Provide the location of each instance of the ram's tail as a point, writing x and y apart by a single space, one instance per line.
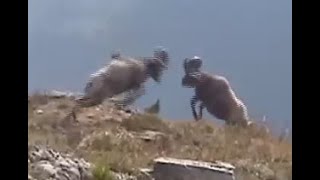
153 109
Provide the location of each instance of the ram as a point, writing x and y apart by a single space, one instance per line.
216 95
122 76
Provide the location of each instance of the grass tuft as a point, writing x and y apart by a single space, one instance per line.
102 172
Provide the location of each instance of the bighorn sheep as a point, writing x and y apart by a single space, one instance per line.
122 75
216 95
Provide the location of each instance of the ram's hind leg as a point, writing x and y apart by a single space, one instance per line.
70 119
72 115
193 103
201 107
82 102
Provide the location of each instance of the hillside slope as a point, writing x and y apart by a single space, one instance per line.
123 142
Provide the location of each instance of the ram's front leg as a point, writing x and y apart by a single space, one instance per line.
71 117
127 98
193 103
201 107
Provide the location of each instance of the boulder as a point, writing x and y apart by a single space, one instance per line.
182 169
45 163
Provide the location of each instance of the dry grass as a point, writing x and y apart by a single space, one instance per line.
145 122
256 154
38 99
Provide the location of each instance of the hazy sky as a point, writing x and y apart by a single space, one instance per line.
248 41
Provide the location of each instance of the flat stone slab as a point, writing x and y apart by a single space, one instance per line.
184 169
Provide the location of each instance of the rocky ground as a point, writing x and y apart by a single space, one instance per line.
111 143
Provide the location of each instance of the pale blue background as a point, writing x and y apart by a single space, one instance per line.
248 41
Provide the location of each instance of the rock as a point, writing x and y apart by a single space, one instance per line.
149 135
117 119
61 94
30 177
127 110
45 163
123 176
43 170
243 163
108 117
90 116
145 174
39 111
172 169
126 115
263 171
